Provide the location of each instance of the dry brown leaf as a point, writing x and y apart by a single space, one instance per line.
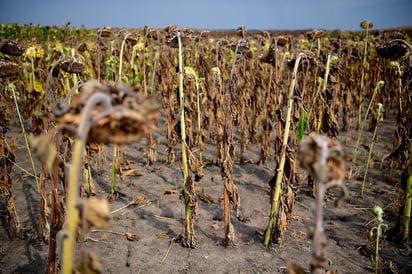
44 149
138 200
111 198
131 237
131 172
294 268
97 212
171 191
206 198
89 265
161 234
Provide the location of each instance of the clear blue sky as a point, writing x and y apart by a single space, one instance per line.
211 14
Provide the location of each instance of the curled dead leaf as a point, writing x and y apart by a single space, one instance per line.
97 212
206 198
45 150
138 200
131 172
294 268
131 237
196 167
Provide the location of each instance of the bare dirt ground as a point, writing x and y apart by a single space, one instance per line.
157 223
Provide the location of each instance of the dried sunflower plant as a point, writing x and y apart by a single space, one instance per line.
322 158
103 114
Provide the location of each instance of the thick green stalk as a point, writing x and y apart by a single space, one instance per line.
72 217
185 167
278 185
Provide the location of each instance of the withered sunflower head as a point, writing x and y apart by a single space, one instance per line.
131 114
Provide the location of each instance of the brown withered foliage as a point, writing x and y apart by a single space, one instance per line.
287 199
188 237
6 163
96 212
44 150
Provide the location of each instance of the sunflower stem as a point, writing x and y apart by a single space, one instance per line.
72 217
12 88
278 185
